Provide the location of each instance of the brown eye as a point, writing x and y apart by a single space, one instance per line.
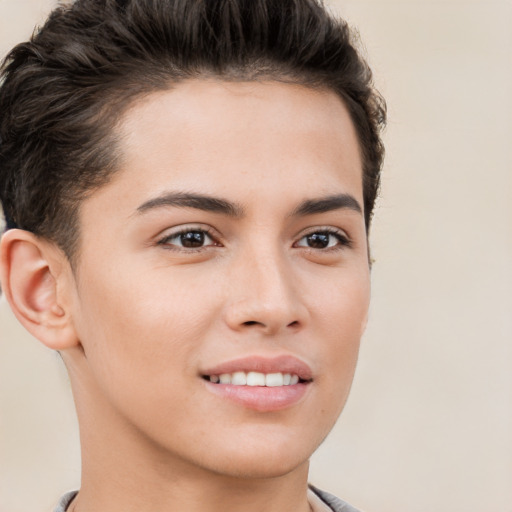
323 240
188 239
192 239
318 240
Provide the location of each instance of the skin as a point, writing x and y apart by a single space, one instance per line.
141 317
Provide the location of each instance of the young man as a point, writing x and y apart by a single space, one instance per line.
188 187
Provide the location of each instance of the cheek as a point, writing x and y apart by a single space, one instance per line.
341 316
341 305
136 325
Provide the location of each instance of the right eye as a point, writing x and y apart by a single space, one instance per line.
188 239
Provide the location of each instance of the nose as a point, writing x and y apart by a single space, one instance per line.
264 296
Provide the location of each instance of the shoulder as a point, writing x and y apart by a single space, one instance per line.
65 501
335 503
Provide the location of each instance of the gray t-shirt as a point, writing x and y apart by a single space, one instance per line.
333 502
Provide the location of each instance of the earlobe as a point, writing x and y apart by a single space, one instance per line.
30 271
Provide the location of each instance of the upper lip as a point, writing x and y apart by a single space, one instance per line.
280 364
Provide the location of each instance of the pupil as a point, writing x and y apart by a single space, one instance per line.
318 240
192 239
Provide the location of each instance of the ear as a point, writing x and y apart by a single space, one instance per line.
35 276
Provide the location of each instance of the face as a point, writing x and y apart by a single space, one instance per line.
222 285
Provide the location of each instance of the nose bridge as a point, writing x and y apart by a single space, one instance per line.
272 279
264 294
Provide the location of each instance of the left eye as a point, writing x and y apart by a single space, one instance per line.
322 240
189 239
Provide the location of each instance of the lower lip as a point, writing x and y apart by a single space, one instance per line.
261 398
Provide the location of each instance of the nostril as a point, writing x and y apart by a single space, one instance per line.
254 322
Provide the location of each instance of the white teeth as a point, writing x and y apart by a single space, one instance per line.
225 378
255 379
274 379
239 379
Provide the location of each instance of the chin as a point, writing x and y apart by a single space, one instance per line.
268 459
261 468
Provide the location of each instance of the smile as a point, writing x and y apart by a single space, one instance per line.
255 379
263 384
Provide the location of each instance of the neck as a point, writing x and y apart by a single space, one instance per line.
151 492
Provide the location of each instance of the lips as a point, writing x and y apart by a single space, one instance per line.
259 383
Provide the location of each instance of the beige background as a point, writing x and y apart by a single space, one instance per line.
429 422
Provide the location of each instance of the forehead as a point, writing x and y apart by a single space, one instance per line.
221 125
198 103
242 141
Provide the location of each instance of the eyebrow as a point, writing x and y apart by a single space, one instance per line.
197 201
225 207
327 204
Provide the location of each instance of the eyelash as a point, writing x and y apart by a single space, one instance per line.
205 231
343 240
